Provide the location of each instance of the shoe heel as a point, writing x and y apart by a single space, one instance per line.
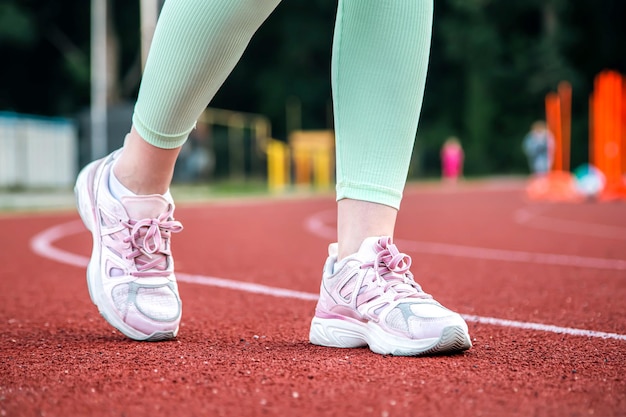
83 197
335 333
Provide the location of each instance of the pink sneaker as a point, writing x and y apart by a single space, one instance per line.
371 299
131 272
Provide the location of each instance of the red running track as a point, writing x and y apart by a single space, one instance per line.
543 286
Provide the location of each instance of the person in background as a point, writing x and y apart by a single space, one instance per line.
538 145
452 157
195 160
368 295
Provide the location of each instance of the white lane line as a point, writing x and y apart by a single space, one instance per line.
542 327
318 224
245 287
512 256
284 293
43 245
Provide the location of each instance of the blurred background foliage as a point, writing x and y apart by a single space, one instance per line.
492 63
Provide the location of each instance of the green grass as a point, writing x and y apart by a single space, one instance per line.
218 189
235 189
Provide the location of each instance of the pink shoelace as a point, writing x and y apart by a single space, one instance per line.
149 242
392 268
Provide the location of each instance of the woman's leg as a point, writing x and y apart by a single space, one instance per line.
368 296
380 59
196 45
123 198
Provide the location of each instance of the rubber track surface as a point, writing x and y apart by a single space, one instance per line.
482 250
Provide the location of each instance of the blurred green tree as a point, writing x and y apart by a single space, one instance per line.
492 63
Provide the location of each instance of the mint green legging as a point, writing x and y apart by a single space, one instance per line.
379 61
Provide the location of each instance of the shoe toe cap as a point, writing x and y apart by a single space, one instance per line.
424 320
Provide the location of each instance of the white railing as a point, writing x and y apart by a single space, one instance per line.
37 151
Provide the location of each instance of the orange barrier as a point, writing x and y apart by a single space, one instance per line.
607 141
565 101
559 121
559 184
555 186
608 132
553 120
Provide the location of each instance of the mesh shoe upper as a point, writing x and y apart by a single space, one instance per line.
137 257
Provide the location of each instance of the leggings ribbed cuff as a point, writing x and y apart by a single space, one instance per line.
158 139
369 192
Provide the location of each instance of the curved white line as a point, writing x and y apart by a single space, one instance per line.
512 256
318 224
43 245
532 218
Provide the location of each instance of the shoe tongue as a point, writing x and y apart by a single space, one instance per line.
370 247
145 206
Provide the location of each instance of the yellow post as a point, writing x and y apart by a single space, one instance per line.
277 165
312 157
321 168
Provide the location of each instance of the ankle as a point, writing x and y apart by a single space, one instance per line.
135 181
358 220
143 168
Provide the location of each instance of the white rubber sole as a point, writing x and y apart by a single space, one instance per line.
344 334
